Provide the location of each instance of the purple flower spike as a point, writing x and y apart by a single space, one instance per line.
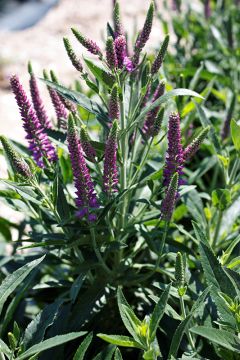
151 115
174 157
90 45
37 101
72 56
39 144
59 107
207 9
17 162
67 103
86 197
144 34
193 147
86 144
120 49
110 175
169 201
114 103
118 28
111 54
160 56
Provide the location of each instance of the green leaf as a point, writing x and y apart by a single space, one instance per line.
59 199
221 337
100 73
130 320
80 99
12 281
235 132
36 329
120 340
79 355
215 276
163 99
118 355
183 326
158 313
4 348
221 198
106 354
27 192
49 343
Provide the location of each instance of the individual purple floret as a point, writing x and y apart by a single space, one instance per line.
110 175
144 34
114 103
169 201
86 144
90 45
59 107
118 28
39 144
174 157
151 115
86 199
121 50
128 64
111 54
193 147
37 100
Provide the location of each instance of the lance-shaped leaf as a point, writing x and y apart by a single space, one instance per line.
12 281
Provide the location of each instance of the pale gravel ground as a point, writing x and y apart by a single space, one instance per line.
42 44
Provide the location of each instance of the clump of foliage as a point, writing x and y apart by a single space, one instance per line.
124 196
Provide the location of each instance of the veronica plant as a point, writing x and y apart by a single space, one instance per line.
98 185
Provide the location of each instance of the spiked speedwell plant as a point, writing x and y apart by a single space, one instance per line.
98 186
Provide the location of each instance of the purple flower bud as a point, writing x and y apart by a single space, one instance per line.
39 144
86 144
86 199
207 9
157 123
17 162
114 103
120 49
226 125
90 45
192 148
72 56
144 34
111 54
151 115
59 107
169 201
110 175
67 103
118 28
37 101
160 57
174 157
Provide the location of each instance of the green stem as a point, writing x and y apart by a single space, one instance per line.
124 152
234 171
217 229
189 336
97 252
